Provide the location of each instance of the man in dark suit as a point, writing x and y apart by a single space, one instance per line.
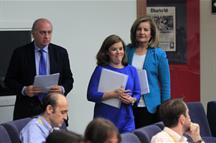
25 65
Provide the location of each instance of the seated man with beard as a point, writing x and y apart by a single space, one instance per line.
175 116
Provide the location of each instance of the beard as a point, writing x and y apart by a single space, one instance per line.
186 127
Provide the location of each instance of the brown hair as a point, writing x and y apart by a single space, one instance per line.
171 110
99 130
64 136
154 31
102 57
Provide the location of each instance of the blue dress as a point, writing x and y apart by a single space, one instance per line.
122 117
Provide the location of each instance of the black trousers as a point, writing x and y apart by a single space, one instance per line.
143 118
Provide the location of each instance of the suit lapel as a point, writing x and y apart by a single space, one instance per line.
51 59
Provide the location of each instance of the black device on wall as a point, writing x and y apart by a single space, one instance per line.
213 5
10 39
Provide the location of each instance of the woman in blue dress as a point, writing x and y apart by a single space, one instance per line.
112 56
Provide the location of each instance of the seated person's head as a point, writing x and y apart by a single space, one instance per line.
101 130
55 109
64 136
174 112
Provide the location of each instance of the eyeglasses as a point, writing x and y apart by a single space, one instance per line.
43 33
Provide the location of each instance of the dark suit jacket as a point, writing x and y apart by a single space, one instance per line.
22 70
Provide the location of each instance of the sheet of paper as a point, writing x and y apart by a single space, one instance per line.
109 81
143 81
46 81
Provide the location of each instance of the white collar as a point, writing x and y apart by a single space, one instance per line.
174 135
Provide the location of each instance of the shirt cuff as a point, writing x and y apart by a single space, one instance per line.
23 91
62 89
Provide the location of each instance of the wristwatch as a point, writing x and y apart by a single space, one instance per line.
133 100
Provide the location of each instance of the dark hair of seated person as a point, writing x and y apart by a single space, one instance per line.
101 130
64 136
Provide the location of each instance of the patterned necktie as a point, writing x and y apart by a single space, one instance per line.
42 63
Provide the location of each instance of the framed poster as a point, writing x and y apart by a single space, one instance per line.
164 18
170 17
185 59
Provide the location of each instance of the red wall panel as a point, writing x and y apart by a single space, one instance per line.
185 78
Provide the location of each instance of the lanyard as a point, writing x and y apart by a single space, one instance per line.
42 123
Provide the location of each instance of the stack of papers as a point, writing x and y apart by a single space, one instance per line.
144 85
109 81
45 82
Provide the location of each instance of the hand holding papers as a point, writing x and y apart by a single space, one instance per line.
109 81
143 81
45 82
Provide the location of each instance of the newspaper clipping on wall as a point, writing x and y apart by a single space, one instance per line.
165 19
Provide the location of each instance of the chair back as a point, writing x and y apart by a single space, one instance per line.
14 127
129 138
209 139
197 115
4 137
146 133
211 109
160 125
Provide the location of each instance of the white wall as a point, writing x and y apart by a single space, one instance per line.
81 27
6 108
208 52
